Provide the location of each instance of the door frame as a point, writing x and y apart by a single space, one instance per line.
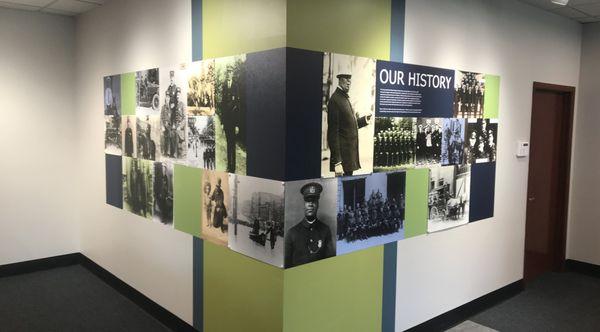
564 185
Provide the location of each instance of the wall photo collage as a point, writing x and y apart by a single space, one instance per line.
370 128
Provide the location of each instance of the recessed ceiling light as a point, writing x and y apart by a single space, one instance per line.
560 2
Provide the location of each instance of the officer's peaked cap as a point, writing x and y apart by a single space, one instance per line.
311 191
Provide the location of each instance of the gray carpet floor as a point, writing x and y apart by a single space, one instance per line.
68 299
554 302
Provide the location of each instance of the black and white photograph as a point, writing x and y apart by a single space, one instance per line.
138 187
163 193
112 95
310 221
370 210
449 195
148 137
128 135
453 141
172 116
230 114
201 142
481 139
428 144
394 143
216 206
349 114
469 94
201 88
256 222
112 134
147 94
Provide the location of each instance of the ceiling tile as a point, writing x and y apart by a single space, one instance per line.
569 12
581 2
588 19
17 6
590 9
545 4
72 6
59 12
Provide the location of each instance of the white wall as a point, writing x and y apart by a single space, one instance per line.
584 226
124 36
522 44
37 136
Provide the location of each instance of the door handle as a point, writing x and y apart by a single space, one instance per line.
531 199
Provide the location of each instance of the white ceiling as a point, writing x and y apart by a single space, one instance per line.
62 7
584 11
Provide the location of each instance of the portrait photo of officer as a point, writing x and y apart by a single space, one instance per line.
310 221
349 102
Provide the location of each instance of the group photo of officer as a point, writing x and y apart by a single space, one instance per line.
172 118
453 141
394 143
138 188
481 141
428 141
468 96
146 145
163 193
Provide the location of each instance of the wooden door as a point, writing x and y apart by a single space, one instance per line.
547 189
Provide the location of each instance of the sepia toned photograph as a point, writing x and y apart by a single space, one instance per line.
230 114
348 115
138 186
216 206
128 135
201 88
469 94
148 137
449 195
428 144
112 135
370 210
310 221
453 141
394 144
146 92
172 116
257 218
201 142
112 95
163 193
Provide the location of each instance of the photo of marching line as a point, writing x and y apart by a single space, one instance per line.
453 141
449 197
428 142
147 94
112 135
112 95
482 135
370 210
216 206
394 143
348 115
163 193
310 221
201 142
138 196
201 88
256 222
172 142
469 94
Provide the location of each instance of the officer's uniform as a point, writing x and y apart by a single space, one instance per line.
308 242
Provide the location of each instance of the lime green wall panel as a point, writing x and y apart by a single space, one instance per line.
417 185
232 27
187 197
240 293
128 94
333 26
343 293
492 97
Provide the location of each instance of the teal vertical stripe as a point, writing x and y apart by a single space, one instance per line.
198 245
198 268
196 30
390 250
